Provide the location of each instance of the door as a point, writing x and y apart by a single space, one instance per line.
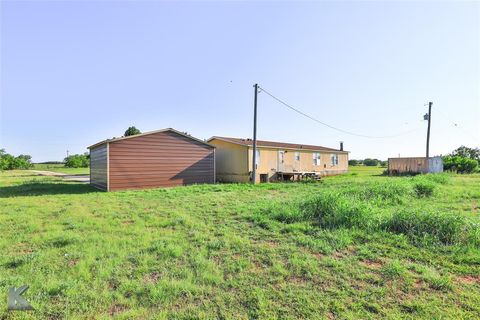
296 162
281 161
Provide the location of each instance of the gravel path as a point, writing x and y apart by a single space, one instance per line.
68 177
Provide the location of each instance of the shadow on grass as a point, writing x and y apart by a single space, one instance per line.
43 188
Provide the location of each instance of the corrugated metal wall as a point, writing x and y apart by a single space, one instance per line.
435 164
161 159
98 166
415 165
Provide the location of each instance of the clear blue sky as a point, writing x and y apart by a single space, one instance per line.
75 73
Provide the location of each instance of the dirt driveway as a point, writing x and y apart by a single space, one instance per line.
67 177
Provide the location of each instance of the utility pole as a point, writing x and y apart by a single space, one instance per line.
254 174
67 153
429 118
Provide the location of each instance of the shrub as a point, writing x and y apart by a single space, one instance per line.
77 161
459 164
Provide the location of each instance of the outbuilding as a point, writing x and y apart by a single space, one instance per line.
162 158
414 165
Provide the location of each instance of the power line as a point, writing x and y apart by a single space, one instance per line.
456 125
330 126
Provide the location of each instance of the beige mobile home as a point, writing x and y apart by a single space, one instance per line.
275 160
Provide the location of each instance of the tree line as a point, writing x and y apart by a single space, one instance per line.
9 162
368 162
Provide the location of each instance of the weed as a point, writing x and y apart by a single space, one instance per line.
424 188
393 269
433 227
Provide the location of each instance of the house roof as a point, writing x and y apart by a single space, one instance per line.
148 133
278 145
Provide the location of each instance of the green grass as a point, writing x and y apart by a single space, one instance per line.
60 168
353 246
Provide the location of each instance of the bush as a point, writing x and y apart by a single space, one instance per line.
9 162
459 164
77 161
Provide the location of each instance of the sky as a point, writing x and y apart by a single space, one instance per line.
74 73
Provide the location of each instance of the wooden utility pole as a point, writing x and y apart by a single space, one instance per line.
254 173
428 130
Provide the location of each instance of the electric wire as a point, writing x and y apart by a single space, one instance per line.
330 126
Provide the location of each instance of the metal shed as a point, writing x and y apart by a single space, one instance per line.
162 158
415 165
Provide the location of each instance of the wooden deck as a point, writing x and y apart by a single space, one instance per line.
297 175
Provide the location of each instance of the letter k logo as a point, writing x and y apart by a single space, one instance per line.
15 299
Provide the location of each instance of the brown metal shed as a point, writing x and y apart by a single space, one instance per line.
162 158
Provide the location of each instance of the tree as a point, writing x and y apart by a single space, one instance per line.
465 152
131 131
370 162
462 160
9 162
459 164
353 162
77 161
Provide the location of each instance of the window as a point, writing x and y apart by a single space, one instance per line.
297 156
334 159
281 156
316 158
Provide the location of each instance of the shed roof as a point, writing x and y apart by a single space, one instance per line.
278 145
148 133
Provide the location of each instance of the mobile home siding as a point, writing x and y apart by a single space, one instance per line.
98 166
162 159
231 162
269 163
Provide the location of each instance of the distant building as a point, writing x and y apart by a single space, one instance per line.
275 160
415 165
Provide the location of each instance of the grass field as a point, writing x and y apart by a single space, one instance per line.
60 168
355 246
